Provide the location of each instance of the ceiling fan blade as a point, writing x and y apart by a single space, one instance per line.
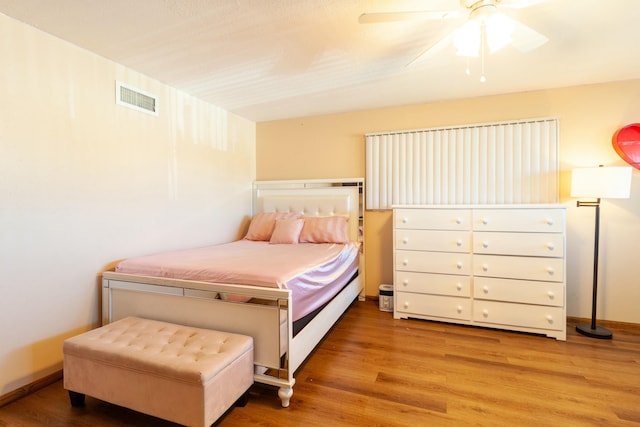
431 50
376 18
526 39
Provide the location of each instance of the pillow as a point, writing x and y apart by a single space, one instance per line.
263 223
287 230
324 229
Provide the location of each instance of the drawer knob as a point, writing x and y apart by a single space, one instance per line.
405 220
551 271
458 220
459 286
459 309
485 312
405 282
551 295
406 305
485 267
459 243
459 265
549 318
550 246
405 240
485 244
549 221
485 289
485 221
405 262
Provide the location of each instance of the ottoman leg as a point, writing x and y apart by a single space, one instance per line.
76 399
243 400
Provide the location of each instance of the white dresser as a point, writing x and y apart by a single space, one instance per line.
498 266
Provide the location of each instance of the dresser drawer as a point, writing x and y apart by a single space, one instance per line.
433 262
526 220
432 219
525 291
433 240
433 305
428 283
531 244
514 267
497 266
519 315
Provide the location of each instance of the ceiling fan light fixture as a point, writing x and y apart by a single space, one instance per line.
467 39
485 25
499 29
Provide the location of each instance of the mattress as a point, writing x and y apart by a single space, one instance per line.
314 272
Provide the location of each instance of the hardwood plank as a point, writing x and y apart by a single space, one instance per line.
377 371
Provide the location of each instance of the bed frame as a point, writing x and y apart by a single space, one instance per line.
278 354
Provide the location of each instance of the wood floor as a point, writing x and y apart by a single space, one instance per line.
373 370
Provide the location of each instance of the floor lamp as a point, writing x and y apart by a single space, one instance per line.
599 183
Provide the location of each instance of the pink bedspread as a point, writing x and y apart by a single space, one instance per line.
314 272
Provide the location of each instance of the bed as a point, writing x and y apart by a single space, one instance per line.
281 311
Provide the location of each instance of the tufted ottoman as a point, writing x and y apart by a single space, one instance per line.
186 375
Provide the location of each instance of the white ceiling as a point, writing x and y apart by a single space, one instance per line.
275 59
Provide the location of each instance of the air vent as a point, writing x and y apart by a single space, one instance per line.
136 99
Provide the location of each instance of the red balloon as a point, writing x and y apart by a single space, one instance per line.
626 142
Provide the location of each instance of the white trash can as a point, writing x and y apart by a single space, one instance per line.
386 298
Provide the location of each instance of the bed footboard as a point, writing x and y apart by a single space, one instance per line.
199 304
266 317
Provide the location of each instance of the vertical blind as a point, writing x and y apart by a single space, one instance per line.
491 163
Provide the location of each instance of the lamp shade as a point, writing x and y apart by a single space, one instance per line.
612 182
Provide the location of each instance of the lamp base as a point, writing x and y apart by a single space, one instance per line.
598 332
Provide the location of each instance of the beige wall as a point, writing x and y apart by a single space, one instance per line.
84 182
333 146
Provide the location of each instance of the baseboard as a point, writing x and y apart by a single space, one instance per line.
606 323
611 324
30 388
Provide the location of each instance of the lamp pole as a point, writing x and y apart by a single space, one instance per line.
607 183
593 330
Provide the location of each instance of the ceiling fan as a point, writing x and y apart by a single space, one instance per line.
486 27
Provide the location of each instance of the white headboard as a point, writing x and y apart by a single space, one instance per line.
312 198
